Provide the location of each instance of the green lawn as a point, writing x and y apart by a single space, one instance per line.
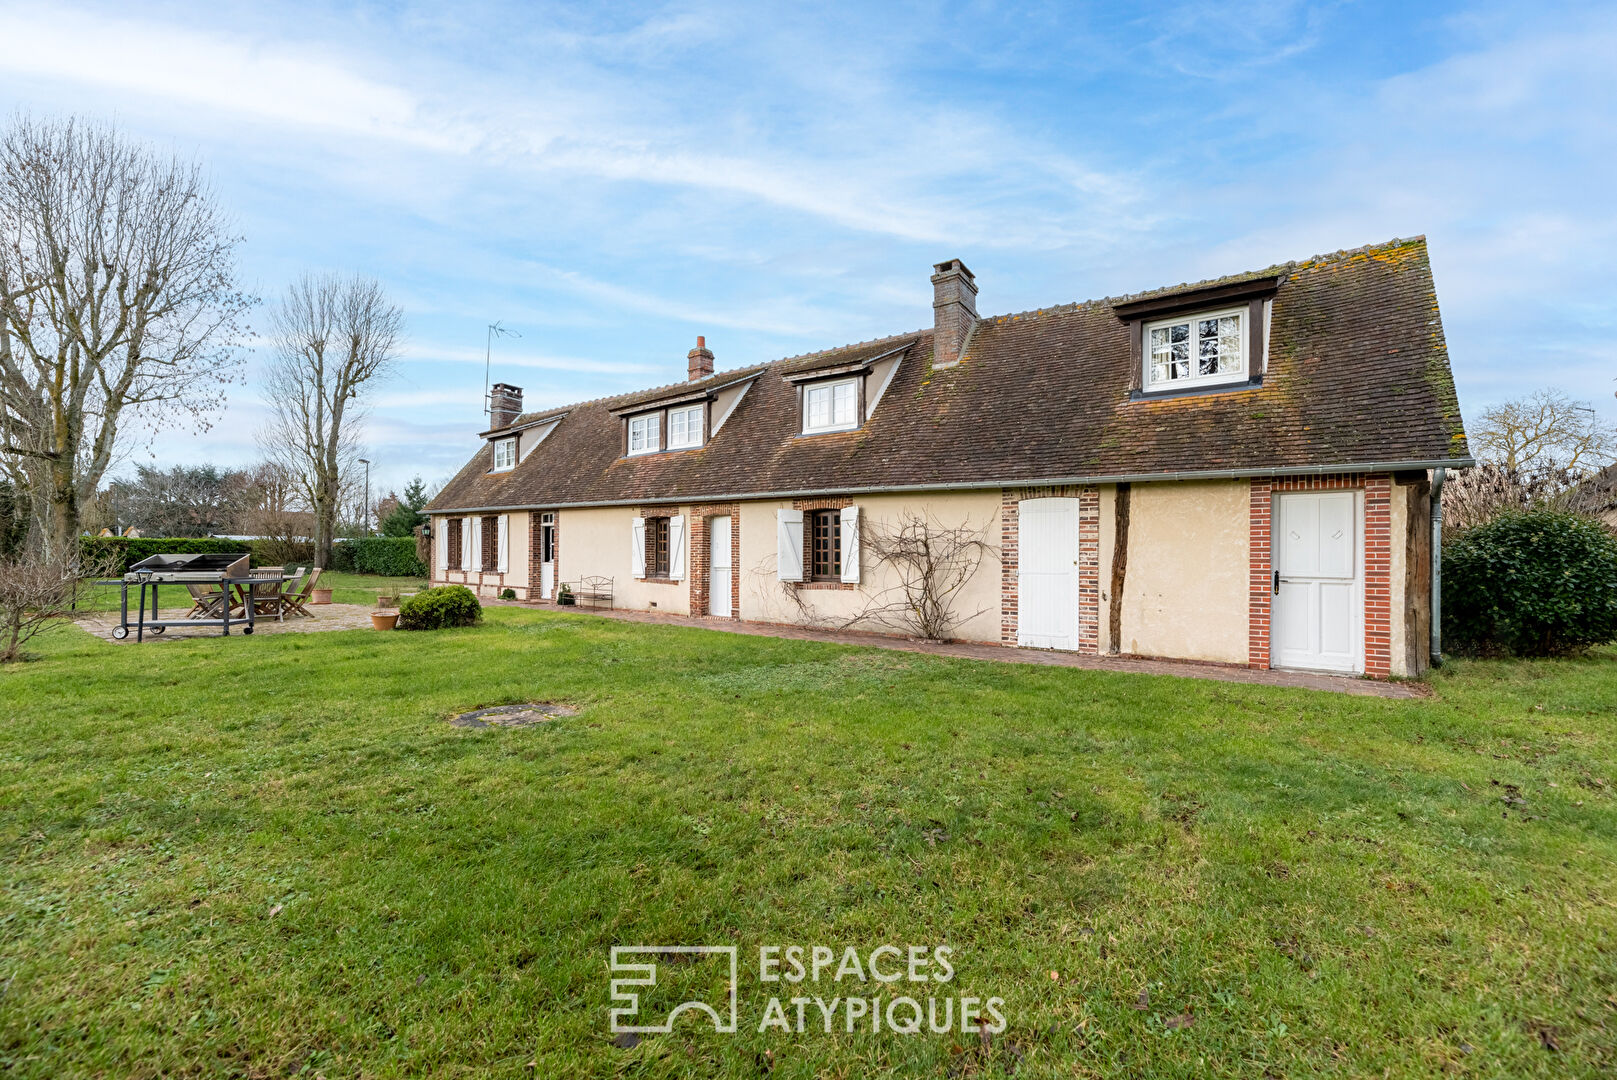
272 856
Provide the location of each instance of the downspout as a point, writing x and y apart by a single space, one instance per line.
1436 514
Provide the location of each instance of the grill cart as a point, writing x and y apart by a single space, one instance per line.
200 575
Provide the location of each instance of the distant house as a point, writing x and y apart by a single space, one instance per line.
1234 471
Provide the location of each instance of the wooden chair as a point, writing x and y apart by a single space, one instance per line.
296 602
204 602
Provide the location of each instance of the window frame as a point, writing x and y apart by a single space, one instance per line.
653 443
700 417
1242 373
500 444
658 561
857 385
488 533
830 569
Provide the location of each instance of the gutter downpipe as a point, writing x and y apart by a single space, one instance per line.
1436 514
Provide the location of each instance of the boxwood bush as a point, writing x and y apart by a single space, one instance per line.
118 553
390 556
435 609
1535 583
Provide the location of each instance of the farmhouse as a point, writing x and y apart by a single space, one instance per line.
1236 471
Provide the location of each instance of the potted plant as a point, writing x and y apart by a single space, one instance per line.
320 596
384 620
388 597
565 597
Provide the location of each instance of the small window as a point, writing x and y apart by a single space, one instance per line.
547 538
505 454
1197 350
825 545
657 547
831 406
685 427
645 434
454 544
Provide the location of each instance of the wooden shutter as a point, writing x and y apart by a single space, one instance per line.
850 545
504 543
637 546
441 543
789 545
475 526
467 562
676 547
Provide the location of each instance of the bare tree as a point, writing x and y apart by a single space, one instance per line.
333 336
1545 429
118 292
930 563
35 592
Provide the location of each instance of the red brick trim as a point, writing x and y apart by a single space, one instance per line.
1088 498
536 549
809 505
700 556
1377 545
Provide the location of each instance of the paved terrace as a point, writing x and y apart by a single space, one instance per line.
1184 669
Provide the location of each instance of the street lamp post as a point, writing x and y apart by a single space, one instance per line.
367 463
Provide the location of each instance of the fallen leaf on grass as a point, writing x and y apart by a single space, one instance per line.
276 910
1144 1000
1547 1039
1183 1020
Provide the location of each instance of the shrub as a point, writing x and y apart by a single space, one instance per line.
390 556
435 609
508 594
1539 583
278 551
117 553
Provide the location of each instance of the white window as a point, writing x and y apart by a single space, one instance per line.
1196 350
645 434
831 406
505 454
685 427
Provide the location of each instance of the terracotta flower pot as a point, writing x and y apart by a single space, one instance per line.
384 620
321 596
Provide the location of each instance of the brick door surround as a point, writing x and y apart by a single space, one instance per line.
1088 496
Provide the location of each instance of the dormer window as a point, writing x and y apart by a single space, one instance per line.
505 454
685 427
831 406
1196 350
645 434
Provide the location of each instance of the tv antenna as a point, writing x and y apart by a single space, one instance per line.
494 330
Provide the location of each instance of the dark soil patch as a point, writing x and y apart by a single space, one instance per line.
535 712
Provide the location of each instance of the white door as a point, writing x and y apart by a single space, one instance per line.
547 556
1047 574
718 581
1316 620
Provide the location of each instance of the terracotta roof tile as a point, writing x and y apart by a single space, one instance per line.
1357 373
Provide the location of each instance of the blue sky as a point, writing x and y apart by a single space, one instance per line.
613 180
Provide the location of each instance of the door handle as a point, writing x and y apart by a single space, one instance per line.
1277 582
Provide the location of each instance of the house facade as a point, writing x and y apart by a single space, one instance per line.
1237 471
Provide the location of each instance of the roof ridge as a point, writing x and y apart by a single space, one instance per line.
543 414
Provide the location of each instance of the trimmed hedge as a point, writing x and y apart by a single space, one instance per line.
437 609
1539 583
390 556
124 551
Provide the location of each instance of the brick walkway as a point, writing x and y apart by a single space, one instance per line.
1185 669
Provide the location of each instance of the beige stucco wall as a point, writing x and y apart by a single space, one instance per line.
596 543
492 584
765 598
1185 594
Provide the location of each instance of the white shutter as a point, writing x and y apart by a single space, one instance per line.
789 545
676 547
504 545
441 542
466 533
850 545
477 544
637 546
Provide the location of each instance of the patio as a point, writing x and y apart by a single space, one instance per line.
323 617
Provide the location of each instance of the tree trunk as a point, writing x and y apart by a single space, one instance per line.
62 523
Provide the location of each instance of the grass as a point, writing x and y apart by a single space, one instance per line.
273 857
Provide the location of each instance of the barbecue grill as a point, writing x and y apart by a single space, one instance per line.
221 571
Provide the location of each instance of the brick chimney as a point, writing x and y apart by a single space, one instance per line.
504 405
954 311
701 360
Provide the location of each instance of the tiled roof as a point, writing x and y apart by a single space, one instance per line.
1357 375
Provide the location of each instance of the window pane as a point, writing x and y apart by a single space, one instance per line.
819 407
1170 352
844 393
1229 344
